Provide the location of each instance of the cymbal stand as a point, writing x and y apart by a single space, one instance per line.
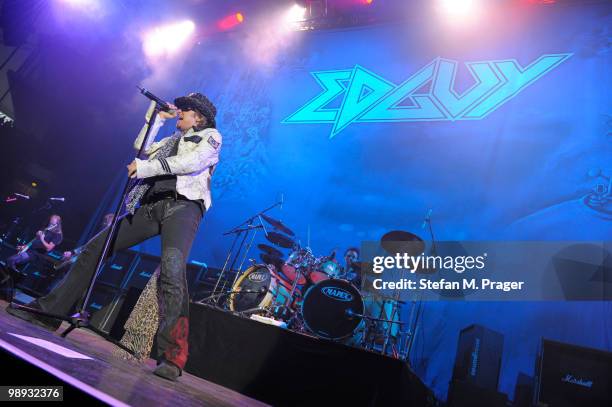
248 248
216 296
418 304
238 230
394 310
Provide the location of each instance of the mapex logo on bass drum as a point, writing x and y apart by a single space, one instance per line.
337 294
258 276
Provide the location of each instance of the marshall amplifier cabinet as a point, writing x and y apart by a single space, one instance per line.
128 302
103 306
146 264
523 390
205 282
569 375
140 274
478 359
117 268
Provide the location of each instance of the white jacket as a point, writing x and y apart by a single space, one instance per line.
193 164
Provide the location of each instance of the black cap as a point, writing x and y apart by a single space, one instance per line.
199 103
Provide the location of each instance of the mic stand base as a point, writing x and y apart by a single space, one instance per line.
78 320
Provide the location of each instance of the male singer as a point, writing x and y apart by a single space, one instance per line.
170 200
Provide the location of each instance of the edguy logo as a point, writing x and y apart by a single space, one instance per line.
337 294
427 95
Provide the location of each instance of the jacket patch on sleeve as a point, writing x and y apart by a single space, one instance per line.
214 143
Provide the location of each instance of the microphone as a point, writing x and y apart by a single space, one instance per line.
165 106
427 219
21 195
62 199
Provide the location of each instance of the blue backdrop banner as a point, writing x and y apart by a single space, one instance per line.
502 133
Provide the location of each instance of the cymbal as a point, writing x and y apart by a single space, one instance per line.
269 250
280 240
400 242
268 259
277 224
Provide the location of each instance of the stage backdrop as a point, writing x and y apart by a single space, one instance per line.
503 132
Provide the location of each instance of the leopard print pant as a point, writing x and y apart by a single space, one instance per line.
141 326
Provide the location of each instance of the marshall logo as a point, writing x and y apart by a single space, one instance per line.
257 276
578 381
337 294
428 95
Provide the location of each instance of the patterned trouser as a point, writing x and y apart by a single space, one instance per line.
142 324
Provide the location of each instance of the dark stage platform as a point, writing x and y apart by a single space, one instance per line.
286 368
84 362
232 358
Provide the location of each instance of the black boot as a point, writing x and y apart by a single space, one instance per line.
168 371
51 324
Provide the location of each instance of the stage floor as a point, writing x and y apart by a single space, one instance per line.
85 361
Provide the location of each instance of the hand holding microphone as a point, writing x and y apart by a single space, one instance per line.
168 110
170 114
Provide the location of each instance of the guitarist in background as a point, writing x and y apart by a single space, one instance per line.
44 242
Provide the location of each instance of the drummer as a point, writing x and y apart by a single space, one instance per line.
352 269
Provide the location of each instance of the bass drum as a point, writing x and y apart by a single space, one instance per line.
265 290
327 309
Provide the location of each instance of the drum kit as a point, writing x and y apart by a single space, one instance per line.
310 293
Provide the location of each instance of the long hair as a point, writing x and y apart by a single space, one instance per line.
201 126
57 228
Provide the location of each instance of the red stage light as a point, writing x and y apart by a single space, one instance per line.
231 21
540 1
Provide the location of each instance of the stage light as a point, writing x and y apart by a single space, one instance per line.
460 11
80 3
92 8
230 21
296 14
168 39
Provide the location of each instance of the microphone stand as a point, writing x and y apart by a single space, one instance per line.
237 231
81 318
